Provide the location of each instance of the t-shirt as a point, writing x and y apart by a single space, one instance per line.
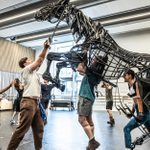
87 85
132 93
46 90
132 90
31 81
20 93
109 96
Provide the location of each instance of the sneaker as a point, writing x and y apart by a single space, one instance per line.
45 122
93 144
111 122
12 122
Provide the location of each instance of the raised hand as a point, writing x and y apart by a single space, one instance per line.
140 117
46 44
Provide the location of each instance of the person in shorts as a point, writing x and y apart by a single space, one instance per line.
109 102
85 103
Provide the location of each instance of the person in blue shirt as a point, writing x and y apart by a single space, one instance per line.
85 103
46 89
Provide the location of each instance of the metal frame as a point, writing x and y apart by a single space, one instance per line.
96 43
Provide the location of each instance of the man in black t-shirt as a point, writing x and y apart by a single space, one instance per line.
46 89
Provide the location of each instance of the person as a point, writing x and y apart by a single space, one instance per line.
16 107
85 103
46 89
109 102
142 113
6 88
29 106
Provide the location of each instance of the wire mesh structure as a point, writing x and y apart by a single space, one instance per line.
95 40
112 60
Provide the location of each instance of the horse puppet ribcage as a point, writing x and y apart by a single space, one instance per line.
96 43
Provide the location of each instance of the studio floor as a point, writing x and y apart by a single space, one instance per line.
63 132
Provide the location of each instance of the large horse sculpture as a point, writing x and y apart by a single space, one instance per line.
96 44
95 40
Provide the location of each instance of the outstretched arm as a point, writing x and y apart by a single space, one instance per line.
6 88
40 58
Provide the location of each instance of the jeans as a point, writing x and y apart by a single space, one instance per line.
132 124
29 116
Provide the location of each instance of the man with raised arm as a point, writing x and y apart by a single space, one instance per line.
29 106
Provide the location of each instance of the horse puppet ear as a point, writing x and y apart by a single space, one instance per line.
63 2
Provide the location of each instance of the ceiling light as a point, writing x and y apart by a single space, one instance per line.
18 16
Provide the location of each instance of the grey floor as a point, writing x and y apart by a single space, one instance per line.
63 132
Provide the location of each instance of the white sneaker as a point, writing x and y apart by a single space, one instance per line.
12 122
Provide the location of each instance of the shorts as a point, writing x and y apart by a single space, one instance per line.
109 105
84 107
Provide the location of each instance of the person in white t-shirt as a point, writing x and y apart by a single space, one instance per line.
29 106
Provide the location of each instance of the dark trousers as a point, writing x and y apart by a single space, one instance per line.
132 124
45 103
29 116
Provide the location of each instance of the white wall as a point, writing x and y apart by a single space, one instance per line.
134 41
138 41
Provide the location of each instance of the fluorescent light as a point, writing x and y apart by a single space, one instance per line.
18 16
41 35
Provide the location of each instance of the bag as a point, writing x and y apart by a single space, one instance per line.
43 113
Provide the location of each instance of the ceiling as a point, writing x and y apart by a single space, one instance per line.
118 16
